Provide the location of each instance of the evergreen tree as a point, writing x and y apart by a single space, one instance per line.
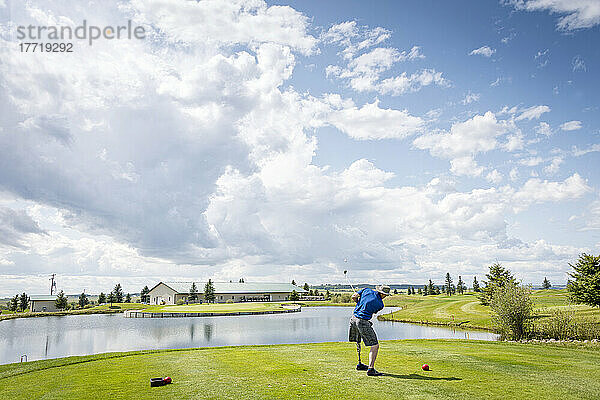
498 277
102 298
144 295
111 298
306 287
420 291
193 297
425 290
546 284
83 300
293 282
476 287
23 302
448 285
118 291
327 295
437 290
61 301
13 304
128 298
460 286
294 296
431 288
209 292
316 292
585 288
310 292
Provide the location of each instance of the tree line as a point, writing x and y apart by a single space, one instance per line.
497 274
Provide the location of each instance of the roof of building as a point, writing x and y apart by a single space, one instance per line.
42 297
235 287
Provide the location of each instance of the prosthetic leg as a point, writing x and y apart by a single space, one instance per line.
360 366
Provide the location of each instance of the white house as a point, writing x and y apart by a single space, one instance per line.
172 292
42 302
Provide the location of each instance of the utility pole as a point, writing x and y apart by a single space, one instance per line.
52 284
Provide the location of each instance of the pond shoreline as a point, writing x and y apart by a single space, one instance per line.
432 323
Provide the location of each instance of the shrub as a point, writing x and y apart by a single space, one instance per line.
563 324
341 298
229 301
180 302
512 311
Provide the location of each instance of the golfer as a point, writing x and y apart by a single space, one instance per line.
368 302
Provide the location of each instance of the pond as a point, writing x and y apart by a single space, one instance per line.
52 337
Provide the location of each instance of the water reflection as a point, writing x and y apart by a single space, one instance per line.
52 337
207 332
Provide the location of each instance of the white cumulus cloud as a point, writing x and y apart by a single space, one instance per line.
485 51
534 112
576 14
571 126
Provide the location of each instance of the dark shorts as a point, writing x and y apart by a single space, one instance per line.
361 328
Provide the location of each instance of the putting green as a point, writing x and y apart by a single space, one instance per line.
220 307
460 370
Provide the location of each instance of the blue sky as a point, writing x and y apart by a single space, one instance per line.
273 140
534 61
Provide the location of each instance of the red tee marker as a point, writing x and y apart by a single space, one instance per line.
425 367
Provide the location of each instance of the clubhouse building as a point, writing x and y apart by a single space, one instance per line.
42 303
173 292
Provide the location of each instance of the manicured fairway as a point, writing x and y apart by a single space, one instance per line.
460 370
465 310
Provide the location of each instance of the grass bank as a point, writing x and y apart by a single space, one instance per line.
101 309
192 308
460 370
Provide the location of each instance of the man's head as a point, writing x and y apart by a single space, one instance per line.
383 290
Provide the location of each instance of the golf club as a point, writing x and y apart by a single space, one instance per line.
348 281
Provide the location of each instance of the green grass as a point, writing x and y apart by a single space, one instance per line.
219 307
460 370
122 306
465 310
